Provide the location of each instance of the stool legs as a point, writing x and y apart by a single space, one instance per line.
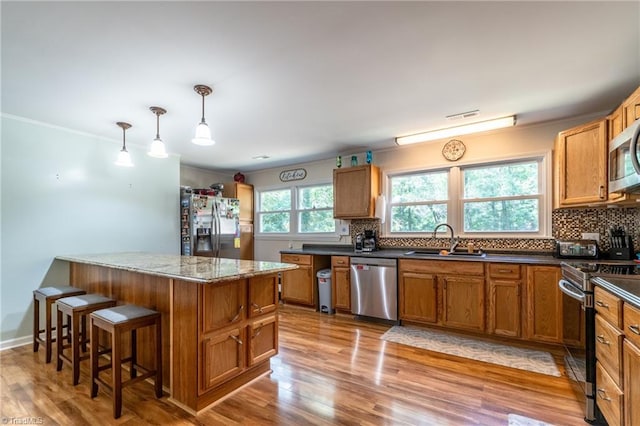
158 379
47 332
94 360
116 374
73 339
36 323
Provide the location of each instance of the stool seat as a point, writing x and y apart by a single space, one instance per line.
122 313
48 295
118 320
76 309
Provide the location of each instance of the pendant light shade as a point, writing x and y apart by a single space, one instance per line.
124 159
157 148
203 133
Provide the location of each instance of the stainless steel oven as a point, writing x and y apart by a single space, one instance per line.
580 360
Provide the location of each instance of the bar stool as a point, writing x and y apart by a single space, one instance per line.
48 295
76 309
116 321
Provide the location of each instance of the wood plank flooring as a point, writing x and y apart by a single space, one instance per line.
330 370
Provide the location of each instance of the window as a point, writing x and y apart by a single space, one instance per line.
502 198
418 201
275 211
315 209
496 198
312 214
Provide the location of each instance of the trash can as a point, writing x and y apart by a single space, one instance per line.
324 291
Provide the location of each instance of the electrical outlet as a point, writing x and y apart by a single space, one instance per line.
343 228
591 236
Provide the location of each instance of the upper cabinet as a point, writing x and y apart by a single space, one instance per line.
631 108
354 191
244 193
581 165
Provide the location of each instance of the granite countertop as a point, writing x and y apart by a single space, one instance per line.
186 268
628 289
534 258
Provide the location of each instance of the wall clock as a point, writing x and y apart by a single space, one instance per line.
453 150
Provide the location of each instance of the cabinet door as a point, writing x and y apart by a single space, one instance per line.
463 302
505 310
631 108
246 241
418 297
581 169
342 285
222 357
544 304
263 334
616 123
223 304
631 368
263 295
244 193
297 286
354 191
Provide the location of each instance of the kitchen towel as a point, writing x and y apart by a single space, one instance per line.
494 353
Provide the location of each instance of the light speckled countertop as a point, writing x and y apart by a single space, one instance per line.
187 268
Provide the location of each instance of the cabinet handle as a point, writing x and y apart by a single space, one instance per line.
603 394
238 314
504 271
258 331
602 304
236 339
601 192
635 329
255 305
602 340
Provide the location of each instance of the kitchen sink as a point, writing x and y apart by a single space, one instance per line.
436 252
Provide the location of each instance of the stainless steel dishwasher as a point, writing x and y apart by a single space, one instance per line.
374 288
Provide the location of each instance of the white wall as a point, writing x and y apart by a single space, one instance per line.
196 177
62 194
499 144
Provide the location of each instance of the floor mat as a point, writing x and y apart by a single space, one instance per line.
495 353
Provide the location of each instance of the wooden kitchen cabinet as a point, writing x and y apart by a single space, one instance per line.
263 339
263 295
244 193
222 357
544 304
417 292
341 283
463 302
504 293
354 191
631 108
631 368
299 286
580 165
615 123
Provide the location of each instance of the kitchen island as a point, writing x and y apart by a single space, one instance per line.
219 316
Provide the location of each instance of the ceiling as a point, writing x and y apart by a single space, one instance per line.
300 81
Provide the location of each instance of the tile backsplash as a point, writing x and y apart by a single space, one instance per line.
567 224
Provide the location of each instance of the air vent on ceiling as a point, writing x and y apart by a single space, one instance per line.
463 115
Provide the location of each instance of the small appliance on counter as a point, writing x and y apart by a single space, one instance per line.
370 242
358 245
577 249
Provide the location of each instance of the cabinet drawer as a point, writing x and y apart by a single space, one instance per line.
300 259
504 270
442 267
339 261
608 397
609 348
632 323
609 306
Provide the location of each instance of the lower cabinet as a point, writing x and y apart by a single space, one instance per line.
463 302
417 295
504 292
341 283
631 362
544 304
299 286
238 330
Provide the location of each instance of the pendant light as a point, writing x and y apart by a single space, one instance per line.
203 133
157 149
124 159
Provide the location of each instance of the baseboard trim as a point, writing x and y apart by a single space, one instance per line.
14 343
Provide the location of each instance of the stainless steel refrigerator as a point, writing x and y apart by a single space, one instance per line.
209 225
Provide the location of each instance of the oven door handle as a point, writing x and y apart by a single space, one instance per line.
570 290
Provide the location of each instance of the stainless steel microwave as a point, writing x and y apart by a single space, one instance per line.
624 160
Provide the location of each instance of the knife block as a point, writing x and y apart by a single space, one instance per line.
623 253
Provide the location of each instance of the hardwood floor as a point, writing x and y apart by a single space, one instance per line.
330 370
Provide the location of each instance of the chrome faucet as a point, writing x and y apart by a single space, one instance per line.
454 240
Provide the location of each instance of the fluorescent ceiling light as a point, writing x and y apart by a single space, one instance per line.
465 129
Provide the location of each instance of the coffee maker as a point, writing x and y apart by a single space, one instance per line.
369 242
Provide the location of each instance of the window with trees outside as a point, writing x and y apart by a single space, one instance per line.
303 210
495 198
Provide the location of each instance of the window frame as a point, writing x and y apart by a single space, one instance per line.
455 205
294 214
